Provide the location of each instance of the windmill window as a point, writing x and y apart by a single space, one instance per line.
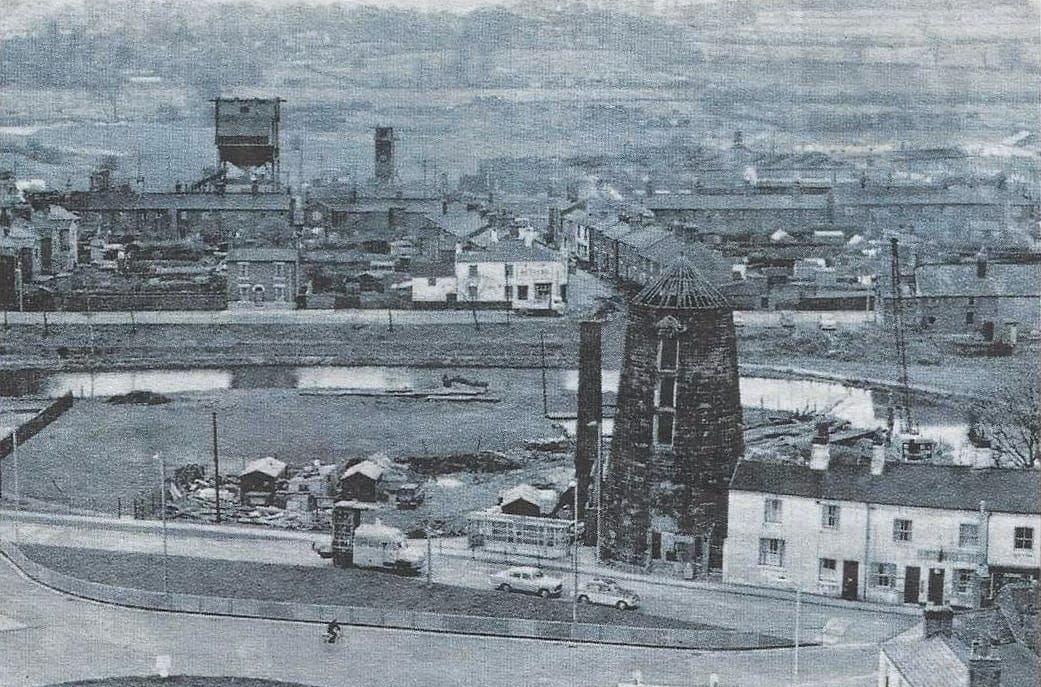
669 354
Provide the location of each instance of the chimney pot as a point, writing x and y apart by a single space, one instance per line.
820 454
984 668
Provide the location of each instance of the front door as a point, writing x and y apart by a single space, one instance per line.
912 581
936 586
655 545
850 577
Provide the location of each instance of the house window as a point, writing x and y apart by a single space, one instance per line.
563 292
830 516
901 530
968 534
243 269
972 301
243 294
970 317
509 270
543 290
471 293
772 510
884 574
280 269
506 292
771 552
829 570
963 580
669 355
280 294
1023 539
431 281
472 270
667 392
664 424
522 293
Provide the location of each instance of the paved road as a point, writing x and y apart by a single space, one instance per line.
867 624
47 637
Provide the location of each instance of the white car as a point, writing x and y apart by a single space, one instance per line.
606 592
527 579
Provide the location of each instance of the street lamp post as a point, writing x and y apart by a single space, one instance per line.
162 502
574 559
798 618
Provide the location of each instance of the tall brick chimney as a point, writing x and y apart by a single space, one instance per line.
984 668
678 428
590 415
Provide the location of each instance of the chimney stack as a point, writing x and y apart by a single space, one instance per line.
939 621
984 669
878 457
820 450
981 264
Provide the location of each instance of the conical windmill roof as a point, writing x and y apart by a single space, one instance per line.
682 286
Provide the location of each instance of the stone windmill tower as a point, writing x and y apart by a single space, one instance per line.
678 429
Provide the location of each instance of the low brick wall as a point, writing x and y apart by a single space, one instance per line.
379 617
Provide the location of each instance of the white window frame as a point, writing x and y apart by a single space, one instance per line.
280 269
1027 536
886 571
903 534
966 542
672 435
771 552
280 293
672 342
827 522
243 270
826 574
773 510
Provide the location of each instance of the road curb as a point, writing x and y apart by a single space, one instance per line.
541 630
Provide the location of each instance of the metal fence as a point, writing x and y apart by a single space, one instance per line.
714 639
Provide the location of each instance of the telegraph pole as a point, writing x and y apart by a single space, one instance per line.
216 464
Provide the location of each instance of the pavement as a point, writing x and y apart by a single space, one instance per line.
767 611
48 637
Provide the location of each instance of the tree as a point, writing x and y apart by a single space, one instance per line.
1010 422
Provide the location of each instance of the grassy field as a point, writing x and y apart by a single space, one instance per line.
332 586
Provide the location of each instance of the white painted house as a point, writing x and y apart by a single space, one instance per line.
513 274
433 285
881 531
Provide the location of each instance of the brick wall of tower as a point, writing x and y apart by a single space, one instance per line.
686 481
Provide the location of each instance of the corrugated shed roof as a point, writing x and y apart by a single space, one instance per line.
946 487
272 467
961 280
681 285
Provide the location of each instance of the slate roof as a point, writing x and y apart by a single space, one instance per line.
932 662
431 269
511 251
961 280
738 201
947 487
681 285
271 202
644 238
262 255
461 225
